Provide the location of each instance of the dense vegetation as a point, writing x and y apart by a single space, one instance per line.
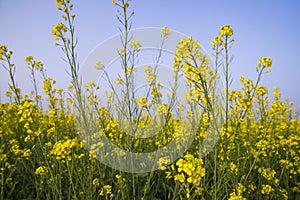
46 153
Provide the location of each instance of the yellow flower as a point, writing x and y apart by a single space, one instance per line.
119 81
188 194
96 182
248 83
126 5
118 176
267 173
40 170
58 29
198 191
217 41
136 45
151 78
237 194
179 177
162 109
105 190
63 148
201 171
28 59
148 69
3 51
168 175
226 31
188 168
99 65
142 101
27 153
234 196
276 93
60 2
233 167
165 31
265 62
267 189
251 187
113 2
240 188
284 194
121 52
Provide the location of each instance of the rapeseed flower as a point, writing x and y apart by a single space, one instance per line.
59 29
267 189
40 171
136 45
165 31
226 31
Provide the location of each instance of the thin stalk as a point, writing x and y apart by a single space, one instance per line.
227 83
11 71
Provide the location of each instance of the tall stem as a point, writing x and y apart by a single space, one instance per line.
227 83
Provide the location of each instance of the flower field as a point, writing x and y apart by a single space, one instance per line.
233 144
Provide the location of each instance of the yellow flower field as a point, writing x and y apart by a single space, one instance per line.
51 142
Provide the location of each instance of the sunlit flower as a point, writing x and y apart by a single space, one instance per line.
165 31
136 45
226 30
40 170
58 29
267 189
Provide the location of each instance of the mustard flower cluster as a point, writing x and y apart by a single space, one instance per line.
226 31
165 31
237 194
66 149
188 171
135 45
264 63
59 29
220 41
4 52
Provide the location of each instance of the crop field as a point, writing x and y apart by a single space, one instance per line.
214 143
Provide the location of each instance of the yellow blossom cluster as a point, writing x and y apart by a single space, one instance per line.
188 171
59 29
267 173
37 65
4 52
221 41
226 31
237 194
66 149
264 63
165 31
40 170
135 45
267 189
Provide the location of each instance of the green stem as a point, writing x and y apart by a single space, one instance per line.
227 83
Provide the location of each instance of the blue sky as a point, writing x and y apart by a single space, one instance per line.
262 28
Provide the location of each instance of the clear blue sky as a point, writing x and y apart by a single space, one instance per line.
262 28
